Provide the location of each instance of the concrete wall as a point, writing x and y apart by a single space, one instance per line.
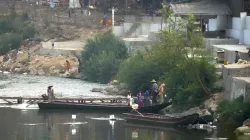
129 18
143 19
228 71
143 29
240 29
212 24
57 52
247 31
221 22
217 24
118 30
210 42
231 86
238 87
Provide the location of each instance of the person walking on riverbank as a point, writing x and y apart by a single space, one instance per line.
79 65
237 56
67 65
51 94
161 93
154 91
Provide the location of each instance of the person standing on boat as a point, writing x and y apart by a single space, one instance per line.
154 91
51 94
129 97
139 99
161 93
146 100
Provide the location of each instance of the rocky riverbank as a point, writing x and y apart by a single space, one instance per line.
114 88
27 60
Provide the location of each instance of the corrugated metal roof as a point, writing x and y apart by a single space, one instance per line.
203 7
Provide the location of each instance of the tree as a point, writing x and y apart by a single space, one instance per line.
102 56
178 59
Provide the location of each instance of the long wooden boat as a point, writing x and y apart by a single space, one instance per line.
117 107
157 119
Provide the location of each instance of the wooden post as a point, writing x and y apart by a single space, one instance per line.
19 100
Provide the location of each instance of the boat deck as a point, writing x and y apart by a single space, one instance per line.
77 100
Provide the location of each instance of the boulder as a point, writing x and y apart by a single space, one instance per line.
115 90
246 122
242 130
114 82
32 71
18 70
40 72
7 63
1 59
97 90
53 71
109 89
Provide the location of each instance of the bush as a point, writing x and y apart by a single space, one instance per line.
102 56
9 42
233 113
12 31
28 32
137 72
186 83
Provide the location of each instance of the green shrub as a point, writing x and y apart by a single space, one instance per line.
9 42
102 56
137 72
186 82
28 32
233 113
12 31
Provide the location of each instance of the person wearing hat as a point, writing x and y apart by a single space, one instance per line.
51 94
154 91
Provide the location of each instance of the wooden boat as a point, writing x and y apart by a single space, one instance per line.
157 119
104 107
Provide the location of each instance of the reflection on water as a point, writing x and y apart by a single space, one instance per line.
36 125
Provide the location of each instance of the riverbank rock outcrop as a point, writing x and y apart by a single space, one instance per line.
27 60
244 129
206 110
114 88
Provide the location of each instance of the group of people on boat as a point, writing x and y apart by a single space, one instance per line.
144 99
157 93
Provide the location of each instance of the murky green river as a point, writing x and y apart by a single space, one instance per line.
19 122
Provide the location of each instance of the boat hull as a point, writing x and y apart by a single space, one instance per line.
161 120
100 107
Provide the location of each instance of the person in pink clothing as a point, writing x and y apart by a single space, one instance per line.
139 99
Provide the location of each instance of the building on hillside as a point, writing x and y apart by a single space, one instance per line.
204 10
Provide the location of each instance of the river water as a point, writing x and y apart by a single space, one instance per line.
22 122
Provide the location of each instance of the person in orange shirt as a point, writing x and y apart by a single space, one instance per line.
67 65
161 93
